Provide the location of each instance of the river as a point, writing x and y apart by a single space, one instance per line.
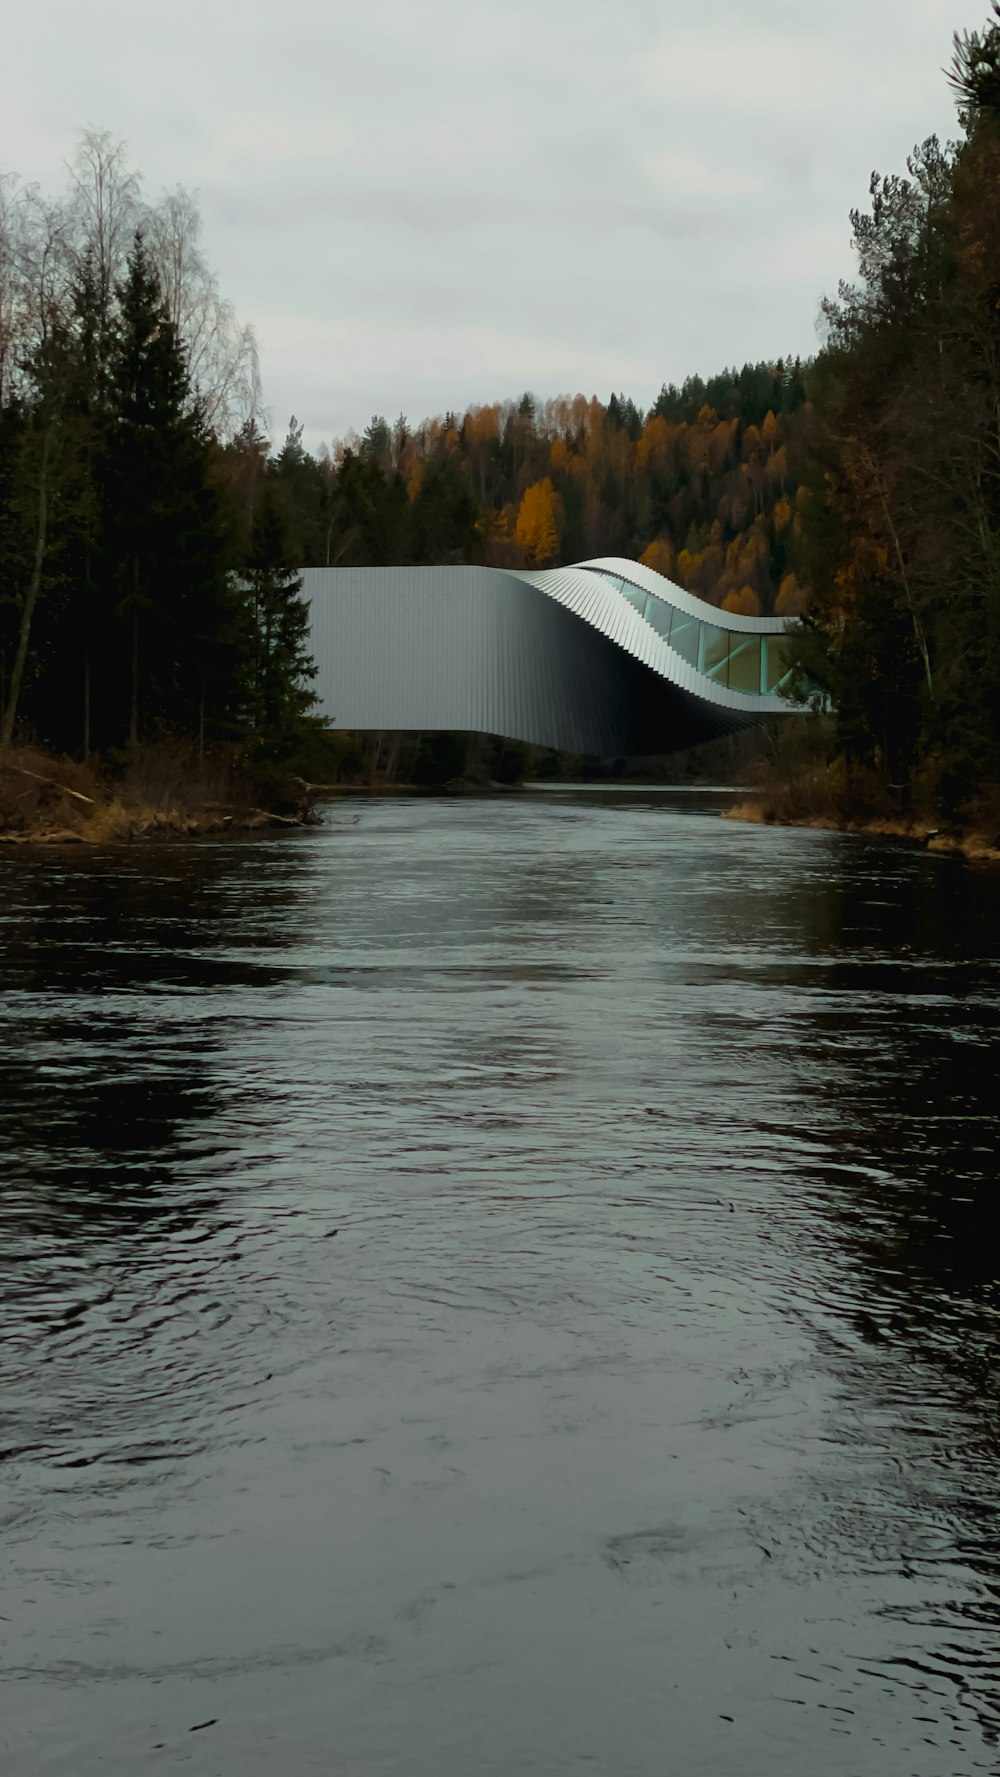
497 1287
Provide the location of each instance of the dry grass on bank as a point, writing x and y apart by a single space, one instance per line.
163 789
824 796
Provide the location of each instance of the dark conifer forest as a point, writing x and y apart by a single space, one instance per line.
151 536
148 570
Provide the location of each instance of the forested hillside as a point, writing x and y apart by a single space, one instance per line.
902 556
705 487
138 597
150 534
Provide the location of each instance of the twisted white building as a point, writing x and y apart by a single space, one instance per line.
605 658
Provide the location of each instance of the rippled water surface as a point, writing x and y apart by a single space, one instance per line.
498 1287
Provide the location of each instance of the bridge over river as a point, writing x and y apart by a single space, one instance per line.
606 658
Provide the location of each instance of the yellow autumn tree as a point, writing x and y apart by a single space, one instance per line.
688 564
493 526
777 466
722 447
751 444
659 556
559 455
746 556
480 425
652 447
539 520
743 603
790 599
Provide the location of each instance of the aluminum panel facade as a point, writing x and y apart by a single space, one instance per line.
560 657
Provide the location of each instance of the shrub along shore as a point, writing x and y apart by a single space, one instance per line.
168 788
977 847
802 782
163 790
151 541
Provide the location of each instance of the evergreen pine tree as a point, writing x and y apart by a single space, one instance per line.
281 663
76 613
307 500
176 664
443 516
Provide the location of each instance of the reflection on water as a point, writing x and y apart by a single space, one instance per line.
500 1286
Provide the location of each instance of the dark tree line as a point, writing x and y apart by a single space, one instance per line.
902 548
150 539
702 486
138 598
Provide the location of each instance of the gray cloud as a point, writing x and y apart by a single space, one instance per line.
425 205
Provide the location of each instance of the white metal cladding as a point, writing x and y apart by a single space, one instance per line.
671 594
591 593
557 657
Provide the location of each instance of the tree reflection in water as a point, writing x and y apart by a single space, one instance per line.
655 1352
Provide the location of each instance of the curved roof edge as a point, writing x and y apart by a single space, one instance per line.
672 594
594 597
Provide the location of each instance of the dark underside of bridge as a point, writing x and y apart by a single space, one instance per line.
661 718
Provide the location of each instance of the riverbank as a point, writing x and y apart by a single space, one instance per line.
815 803
161 792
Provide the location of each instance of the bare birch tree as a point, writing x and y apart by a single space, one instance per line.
12 292
108 207
221 351
37 298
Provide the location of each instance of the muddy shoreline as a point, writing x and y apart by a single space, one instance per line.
974 847
47 801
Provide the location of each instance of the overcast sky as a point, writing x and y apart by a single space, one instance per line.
422 204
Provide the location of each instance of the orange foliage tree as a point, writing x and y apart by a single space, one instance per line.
539 521
659 556
705 487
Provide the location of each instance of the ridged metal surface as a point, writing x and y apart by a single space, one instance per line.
557 657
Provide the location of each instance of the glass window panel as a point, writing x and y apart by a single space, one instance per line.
660 616
744 663
684 636
777 661
716 652
636 597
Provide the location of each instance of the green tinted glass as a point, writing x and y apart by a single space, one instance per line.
716 652
661 616
778 663
636 597
744 663
684 636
